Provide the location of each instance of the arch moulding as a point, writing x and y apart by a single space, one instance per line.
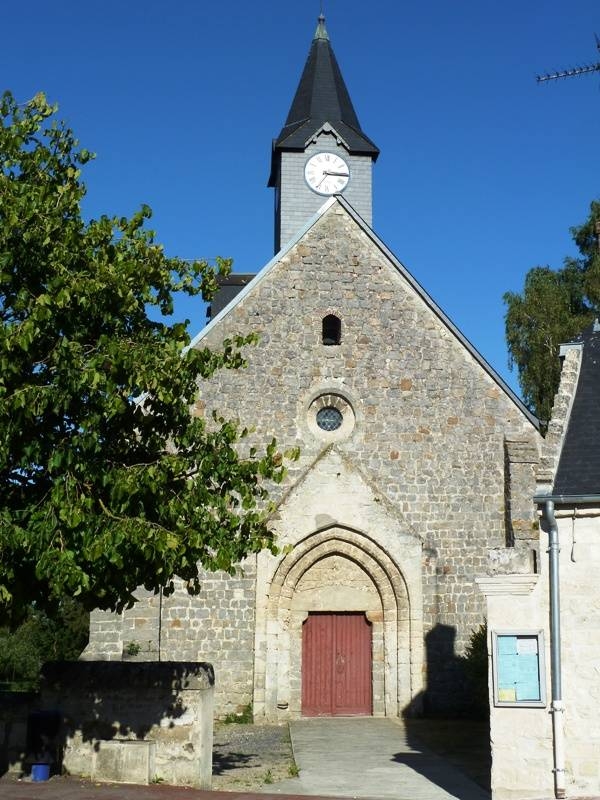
389 594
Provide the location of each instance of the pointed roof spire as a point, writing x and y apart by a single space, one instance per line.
321 32
322 97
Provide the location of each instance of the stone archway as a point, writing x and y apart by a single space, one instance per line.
336 569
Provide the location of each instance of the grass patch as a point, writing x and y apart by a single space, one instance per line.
293 770
243 717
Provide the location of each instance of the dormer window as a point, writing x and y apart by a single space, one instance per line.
332 330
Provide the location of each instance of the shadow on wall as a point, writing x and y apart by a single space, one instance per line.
15 708
455 686
456 724
445 692
115 720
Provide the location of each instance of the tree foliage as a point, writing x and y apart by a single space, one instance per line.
40 638
554 306
106 480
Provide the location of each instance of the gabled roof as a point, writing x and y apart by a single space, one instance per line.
322 97
228 288
260 276
578 471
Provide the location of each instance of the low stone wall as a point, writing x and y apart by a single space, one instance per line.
133 722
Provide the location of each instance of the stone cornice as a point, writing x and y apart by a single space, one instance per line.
507 584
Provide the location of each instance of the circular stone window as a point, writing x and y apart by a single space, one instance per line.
330 417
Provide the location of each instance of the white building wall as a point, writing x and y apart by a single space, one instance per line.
580 601
522 744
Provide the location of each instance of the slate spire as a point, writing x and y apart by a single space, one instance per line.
321 98
321 32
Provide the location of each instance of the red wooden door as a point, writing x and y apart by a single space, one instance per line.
336 665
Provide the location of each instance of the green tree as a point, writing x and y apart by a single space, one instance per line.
554 306
39 639
107 482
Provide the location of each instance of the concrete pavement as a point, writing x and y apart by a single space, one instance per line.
363 757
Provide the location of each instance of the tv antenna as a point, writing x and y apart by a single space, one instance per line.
574 71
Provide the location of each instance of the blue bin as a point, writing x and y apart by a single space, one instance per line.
40 772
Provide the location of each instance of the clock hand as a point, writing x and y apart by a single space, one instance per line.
338 174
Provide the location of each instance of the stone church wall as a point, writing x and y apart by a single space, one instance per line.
430 425
425 425
218 623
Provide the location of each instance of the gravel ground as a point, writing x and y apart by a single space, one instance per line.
250 757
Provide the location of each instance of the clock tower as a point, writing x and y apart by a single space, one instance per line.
321 149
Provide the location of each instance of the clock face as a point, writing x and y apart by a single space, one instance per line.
327 173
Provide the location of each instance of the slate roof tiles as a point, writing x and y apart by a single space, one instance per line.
321 97
578 470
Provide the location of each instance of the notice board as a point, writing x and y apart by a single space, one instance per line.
518 668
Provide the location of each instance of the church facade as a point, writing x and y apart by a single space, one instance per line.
417 463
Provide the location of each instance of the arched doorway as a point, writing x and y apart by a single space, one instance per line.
337 571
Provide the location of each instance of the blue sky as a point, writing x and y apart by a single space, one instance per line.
481 173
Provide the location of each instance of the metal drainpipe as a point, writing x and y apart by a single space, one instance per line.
557 707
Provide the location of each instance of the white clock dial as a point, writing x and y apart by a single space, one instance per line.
327 173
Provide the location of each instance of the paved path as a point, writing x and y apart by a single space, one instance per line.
370 758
